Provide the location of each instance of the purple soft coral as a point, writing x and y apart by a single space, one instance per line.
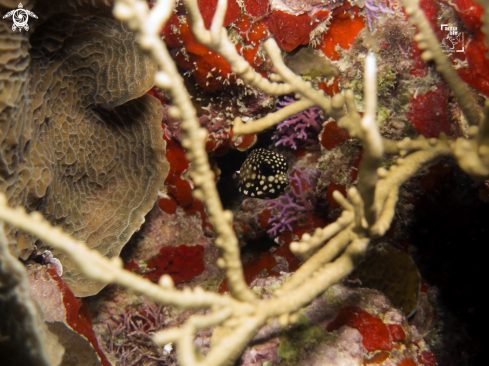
299 130
288 208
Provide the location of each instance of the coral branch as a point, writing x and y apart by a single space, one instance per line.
301 87
270 120
330 254
103 269
388 186
293 297
194 137
300 129
324 255
427 40
485 20
372 142
218 41
308 243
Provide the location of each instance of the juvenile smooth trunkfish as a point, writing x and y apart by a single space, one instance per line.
263 174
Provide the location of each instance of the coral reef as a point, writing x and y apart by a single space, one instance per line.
121 125
182 263
130 340
66 317
300 130
288 208
342 327
393 273
81 143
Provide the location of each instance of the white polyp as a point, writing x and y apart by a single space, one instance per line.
162 80
166 282
123 12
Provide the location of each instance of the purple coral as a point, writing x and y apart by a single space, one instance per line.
288 208
299 130
131 340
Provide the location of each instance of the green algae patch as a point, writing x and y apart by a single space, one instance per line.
213 283
260 291
388 78
291 342
302 318
331 296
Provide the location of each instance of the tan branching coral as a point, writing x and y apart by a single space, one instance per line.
485 20
138 17
472 154
330 253
76 143
307 95
427 41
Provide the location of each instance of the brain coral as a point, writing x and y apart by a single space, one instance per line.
79 139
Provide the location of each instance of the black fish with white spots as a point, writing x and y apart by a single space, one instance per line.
263 174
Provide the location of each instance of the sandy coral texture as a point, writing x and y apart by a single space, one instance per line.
80 143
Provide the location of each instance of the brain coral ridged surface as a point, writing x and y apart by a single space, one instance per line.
80 141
